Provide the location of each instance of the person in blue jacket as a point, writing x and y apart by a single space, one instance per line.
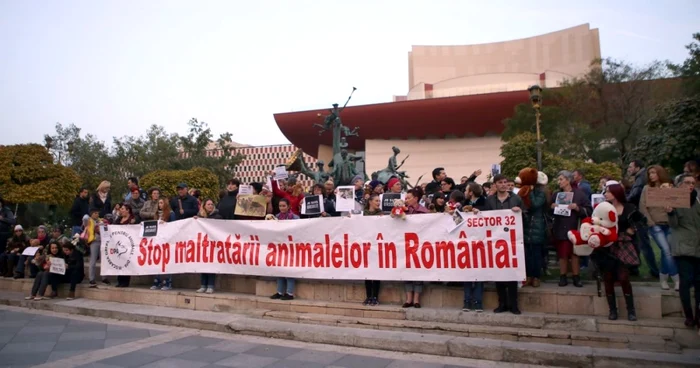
184 205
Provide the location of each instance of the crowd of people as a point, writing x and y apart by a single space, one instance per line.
676 231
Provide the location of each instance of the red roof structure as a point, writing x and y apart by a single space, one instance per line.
461 116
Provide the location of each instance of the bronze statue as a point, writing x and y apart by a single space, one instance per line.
344 169
392 170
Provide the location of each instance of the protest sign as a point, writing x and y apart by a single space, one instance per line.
30 251
495 169
312 205
251 205
150 228
668 197
563 200
345 198
281 173
387 200
487 246
597 199
245 189
58 265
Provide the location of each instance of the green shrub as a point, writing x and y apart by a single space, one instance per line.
167 180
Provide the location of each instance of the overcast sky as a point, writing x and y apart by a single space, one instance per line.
115 67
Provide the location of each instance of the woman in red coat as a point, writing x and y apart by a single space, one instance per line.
294 196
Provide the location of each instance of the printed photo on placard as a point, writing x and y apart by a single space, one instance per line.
457 220
312 205
150 228
495 169
597 199
388 199
251 205
563 200
345 198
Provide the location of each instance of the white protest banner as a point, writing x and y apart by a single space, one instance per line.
245 189
58 265
30 251
487 246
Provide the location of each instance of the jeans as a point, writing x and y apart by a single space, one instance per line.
281 281
94 256
689 272
473 292
533 260
207 280
645 249
158 281
20 264
40 283
660 234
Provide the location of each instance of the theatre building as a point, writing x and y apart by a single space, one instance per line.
458 97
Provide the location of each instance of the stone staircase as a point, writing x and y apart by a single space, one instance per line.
554 319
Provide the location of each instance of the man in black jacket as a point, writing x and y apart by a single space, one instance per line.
81 207
438 176
7 222
184 205
505 200
227 205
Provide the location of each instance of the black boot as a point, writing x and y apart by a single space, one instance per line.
577 281
689 319
612 304
502 297
513 298
562 280
631 313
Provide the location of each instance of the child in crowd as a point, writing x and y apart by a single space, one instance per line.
43 262
285 214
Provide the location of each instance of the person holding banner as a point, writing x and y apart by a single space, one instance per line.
285 285
41 282
414 288
505 200
207 280
374 208
126 217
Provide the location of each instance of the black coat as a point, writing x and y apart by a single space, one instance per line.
81 207
227 205
190 207
104 207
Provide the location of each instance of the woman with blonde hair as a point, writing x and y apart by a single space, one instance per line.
101 199
207 280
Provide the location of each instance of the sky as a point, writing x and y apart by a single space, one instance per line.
114 68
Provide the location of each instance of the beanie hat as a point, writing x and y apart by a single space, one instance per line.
19 228
356 178
392 182
373 184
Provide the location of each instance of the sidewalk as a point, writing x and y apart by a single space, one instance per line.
399 341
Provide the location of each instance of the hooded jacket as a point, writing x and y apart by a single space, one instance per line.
227 205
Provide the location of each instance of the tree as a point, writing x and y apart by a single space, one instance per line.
167 180
690 69
520 152
673 134
28 175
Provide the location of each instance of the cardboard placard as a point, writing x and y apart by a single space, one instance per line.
668 197
30 251
58 265
251 205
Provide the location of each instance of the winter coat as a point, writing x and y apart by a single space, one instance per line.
685 230
7 220
479 204
534 225
227 205
17 242
215 215
80 208
136 206
149 211
190 206
294 201
513 200
635 194
563 224
104 207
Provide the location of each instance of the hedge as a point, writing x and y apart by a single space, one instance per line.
167 180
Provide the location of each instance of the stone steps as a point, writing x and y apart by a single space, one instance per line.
501 351
664 335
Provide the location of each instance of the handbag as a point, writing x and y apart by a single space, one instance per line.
624 251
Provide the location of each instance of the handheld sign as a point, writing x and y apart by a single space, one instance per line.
245 189
345 198
312 205
30 251
150 228
563 200
388 199
58 266
668 197
281 173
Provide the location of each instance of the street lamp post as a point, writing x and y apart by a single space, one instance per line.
536 99
48 143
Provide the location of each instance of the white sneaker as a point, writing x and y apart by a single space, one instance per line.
28 297
201 290
154 287
166 288
676 282
664 281
210 291
39 298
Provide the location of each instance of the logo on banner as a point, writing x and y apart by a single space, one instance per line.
119 250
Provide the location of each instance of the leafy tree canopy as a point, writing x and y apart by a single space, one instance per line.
690 68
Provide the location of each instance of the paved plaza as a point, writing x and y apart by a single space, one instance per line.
46 339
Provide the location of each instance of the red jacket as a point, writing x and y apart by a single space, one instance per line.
294 202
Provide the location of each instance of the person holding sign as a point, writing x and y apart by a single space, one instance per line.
657 219
207 280
74 271
570 206
374 208
293 195
285 285
42 278
685 241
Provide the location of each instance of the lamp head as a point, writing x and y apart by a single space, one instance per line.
48 141
535 96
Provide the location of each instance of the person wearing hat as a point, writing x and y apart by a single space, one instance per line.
15 246
184 205
394 185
